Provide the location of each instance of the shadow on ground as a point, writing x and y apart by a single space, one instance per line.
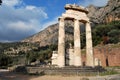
15 76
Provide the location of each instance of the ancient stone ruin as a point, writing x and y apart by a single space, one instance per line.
79 15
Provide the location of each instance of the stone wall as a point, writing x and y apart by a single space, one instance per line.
105 56
108 56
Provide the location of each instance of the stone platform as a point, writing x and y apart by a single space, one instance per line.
68 70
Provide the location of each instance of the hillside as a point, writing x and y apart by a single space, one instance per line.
105 14
50 35
97 15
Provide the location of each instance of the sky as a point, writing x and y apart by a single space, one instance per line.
22 18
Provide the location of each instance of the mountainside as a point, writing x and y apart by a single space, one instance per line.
97 15
50 35
105 14
45 37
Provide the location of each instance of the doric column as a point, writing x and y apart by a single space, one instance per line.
77 44
89 48
61 44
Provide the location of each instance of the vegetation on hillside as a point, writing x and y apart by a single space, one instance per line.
106 33
102 34
5 61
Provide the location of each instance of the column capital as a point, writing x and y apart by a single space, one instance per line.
88 22
61 18
76 19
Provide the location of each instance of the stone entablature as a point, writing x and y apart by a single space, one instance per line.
76 7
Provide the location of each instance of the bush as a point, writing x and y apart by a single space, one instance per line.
5 61
111 31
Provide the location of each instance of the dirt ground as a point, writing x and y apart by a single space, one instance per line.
114 77
6 75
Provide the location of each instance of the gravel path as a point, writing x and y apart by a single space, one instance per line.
108 77
112 77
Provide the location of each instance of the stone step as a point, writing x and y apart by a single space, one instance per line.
65 70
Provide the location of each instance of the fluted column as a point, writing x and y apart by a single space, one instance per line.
89 48
77 44
61 44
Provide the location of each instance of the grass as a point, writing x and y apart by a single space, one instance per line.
83 51
110 72
113 67
84 79
116 45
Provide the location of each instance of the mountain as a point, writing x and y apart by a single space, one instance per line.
97 15
50 35
105 14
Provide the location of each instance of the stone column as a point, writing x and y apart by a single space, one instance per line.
77 45
89 48
61 44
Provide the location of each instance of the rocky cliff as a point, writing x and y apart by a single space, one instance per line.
97 15
105 14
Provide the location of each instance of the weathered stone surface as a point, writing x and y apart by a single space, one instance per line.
109 52
89 47
77 14
61 44
108 55
68 70
77 44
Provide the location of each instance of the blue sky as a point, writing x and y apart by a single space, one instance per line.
22 18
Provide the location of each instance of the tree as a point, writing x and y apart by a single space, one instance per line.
109 33
0 2
5 60
114 36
